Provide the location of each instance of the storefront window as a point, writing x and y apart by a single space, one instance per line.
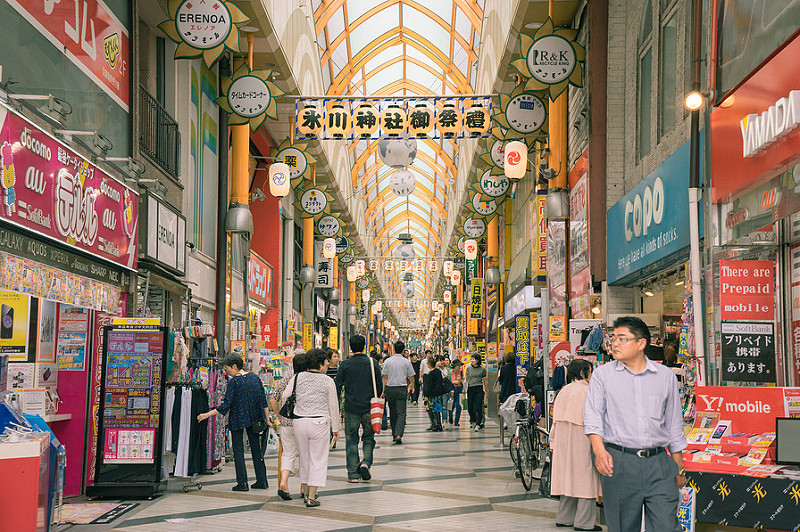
645 95
669 72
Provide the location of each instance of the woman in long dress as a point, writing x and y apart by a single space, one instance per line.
574 476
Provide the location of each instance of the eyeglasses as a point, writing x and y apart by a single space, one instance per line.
623 339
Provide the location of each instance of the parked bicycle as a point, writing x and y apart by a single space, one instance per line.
529 444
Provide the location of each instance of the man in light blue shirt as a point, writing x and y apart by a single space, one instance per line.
398 381
633 417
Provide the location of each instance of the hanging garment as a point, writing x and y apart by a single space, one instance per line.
169 402
559 378
198 433
182 454
175 430
595 339
220 434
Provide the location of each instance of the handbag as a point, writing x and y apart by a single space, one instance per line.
259 426
287 410
544 483
376 404
497 388
447 386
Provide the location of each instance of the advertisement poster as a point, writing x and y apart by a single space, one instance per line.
132 395
559 354
558 328
750 409
522 348
101 319
73 323
21 375
14 325
46 375
687 509
47 332
748 352
747 290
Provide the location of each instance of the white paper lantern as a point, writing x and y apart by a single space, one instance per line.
329 248
455 278
448 296
396 152
386 324
470 249
365 295
279 180
352 275
441 308
447 268
402 182
434 305
405 251
515 160
360 269
379 305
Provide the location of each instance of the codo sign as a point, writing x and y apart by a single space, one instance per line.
645 209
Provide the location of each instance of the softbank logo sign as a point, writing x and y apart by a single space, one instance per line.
759 131
718 404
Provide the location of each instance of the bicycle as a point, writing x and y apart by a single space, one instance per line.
529 446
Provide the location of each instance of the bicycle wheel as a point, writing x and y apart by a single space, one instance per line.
513 446
525 457
536 447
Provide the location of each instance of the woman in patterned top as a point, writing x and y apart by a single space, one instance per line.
316 414
246 401
288 450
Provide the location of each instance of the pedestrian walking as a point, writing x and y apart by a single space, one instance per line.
432 391
574 476
398 382
416 364
633 419
287 451
457 377
476 391
353 376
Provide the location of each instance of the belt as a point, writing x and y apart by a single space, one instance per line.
641 453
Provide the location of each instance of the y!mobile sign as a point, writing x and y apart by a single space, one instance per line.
747 290
89 34
51 190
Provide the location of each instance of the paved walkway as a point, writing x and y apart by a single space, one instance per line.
452 480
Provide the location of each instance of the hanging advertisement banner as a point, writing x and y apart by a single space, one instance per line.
539 266
748 352
90 35
557 265
51 190
476 299
522 348
747 290
14 325
558 328
260 279
308 336
324 268
269 327
333 337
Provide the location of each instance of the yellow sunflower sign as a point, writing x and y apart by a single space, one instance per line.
249 97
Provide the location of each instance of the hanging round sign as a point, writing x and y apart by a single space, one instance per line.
405 251
397 152
249 96
483 208
460 245
474 227
402 182
362 283
525 114
493 185
295 159
347 258
328 226
313 201
496 152
212 32
551 59
342 244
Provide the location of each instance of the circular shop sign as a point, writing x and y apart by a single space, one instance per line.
342 244
294 159
551 59
362 283
483 208
328 226
497 153
474 227
203 25
347 258
313 201
494 185
525 114
249 96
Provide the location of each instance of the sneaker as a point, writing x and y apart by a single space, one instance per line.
472 425
476 428
353 480
364 470
240 487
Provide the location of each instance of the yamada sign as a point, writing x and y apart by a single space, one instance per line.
652 220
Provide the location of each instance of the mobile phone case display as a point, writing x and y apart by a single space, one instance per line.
686 350
131 413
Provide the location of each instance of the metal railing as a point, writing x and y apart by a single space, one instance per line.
159 138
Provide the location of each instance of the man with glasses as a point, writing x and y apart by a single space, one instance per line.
633 418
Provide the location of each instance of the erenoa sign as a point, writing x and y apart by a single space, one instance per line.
651 222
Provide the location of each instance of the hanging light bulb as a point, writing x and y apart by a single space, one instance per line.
379 304
329 248
470 249
434 305
279 182
352 274
441 308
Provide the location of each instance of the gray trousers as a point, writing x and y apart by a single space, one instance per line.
396 401
641 482
577 512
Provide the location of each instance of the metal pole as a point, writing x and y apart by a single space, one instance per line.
222 214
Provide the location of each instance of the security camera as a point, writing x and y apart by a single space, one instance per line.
101 144
190 245
257 195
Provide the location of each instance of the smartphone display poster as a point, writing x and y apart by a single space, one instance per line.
14 325
73 328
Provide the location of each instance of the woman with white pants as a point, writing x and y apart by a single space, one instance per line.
316 416
288 450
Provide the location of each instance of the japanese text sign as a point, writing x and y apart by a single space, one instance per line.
748 352
747 290
476 299
51 190
260 280
540 245
522 347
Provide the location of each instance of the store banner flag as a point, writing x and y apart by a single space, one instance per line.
476 300
14 325
522 348
748 352
687 509
51 190
747 290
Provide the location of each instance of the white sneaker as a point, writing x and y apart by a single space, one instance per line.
477 428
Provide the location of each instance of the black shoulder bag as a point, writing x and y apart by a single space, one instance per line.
287 410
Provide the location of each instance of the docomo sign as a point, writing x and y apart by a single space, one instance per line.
759 131
645 210
747 290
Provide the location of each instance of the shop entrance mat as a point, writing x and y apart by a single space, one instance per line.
94 513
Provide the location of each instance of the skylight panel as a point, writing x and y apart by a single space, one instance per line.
336 24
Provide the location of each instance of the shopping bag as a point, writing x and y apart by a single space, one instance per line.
272 441
376 404
544 483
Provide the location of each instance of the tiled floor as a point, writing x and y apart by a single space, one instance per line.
452 480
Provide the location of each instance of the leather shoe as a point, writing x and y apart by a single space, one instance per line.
398 441
257 486
560 525
285 495
596 528
240 487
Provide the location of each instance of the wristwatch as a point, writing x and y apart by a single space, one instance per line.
682 472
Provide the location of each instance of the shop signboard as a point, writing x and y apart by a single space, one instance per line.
52 191
476 299
260 280
539 256
751 409
647 230
71 341
522 348
90 35
324 268
747 290
165 231
269 326
333 338
754 131
748 352
308 336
